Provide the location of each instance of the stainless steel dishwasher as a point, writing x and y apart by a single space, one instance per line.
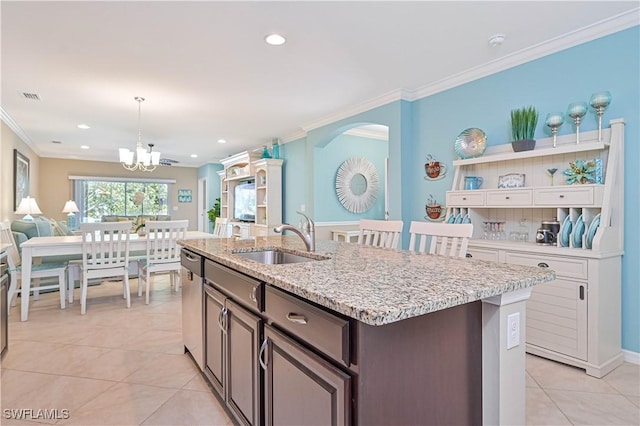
192 300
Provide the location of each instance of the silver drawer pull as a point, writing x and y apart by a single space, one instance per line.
469 255
561 196
464 198
190 257
222 320
298 319
263 364
543 265
506 198
252 294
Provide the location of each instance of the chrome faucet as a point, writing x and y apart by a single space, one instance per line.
307 232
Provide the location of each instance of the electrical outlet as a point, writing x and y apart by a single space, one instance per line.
302 207
513 330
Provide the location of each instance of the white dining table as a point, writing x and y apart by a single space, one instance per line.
69 245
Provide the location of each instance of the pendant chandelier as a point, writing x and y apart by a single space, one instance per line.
142 159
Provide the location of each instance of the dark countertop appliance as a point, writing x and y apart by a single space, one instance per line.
548 232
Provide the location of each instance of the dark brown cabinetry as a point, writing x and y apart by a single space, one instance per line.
300 387
277 359
243 375
215 339
233 336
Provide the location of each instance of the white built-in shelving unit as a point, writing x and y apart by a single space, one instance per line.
267 173
575 319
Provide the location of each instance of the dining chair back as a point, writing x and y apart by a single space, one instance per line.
445 239
105 254
380 233
163 252
45 270
220 228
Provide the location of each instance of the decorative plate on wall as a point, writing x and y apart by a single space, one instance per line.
357 184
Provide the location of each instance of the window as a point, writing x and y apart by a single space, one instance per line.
98 197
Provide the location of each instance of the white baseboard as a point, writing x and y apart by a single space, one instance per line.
631 357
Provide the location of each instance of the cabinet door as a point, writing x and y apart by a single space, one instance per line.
300 387
557 317
215 339
243 371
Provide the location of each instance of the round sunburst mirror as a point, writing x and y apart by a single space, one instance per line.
357 184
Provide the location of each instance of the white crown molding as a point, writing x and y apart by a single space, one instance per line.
383 99
300 134
591 32
369 133
11 123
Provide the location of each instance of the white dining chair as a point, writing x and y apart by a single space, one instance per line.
163 252
44 270
445 239
220 228
105 254
380 233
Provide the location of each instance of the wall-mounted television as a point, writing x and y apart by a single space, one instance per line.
244 201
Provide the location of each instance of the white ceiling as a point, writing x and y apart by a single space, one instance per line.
206 72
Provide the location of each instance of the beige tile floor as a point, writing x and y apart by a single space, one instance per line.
118 366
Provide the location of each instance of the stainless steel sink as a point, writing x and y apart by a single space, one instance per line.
276 257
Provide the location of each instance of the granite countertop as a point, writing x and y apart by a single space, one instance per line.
373 285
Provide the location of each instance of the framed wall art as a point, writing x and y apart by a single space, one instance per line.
511 180
20 177
184 195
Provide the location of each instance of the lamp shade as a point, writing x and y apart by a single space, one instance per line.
27 207
70 207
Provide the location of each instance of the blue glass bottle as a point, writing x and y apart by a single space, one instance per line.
275 148
265 152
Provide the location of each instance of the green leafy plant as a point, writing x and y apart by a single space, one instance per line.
523 123
214 212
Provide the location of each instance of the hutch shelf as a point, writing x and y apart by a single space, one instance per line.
575 319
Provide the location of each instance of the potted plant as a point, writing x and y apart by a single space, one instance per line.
523 128
214 212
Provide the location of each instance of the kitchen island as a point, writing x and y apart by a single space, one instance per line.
423 338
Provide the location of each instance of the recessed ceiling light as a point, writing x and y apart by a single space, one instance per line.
222 141
275 39
83 126
84 146
194 155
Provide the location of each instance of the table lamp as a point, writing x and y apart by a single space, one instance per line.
71 209
27 207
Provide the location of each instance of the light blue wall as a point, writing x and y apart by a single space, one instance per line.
300 161
328 159
430 126
295 176
213 182
550 83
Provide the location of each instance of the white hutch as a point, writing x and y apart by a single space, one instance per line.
267 174
575 319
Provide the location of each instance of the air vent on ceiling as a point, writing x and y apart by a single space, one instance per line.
31 96
167 161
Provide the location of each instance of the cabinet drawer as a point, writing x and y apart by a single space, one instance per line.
323 330
243 289
564 266
570 196
483 254
510 198
464 198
